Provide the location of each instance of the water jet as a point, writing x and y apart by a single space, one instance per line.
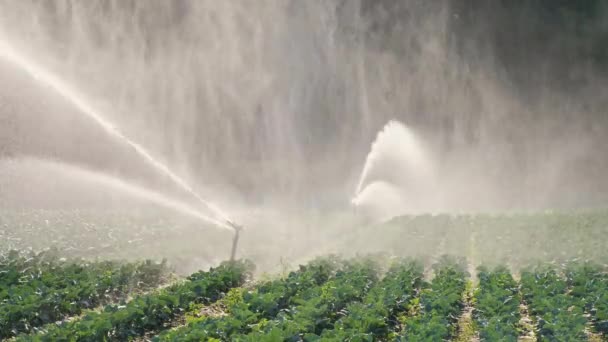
79 101
397 176
54 169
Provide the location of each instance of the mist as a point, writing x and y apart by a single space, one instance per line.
270 108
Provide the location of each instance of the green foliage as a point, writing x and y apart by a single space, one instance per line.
589 286
376 316
497 305
150 312
329 299
559 316
38 289
258 307
440 305
317 308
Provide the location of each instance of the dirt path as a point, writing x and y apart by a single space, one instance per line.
526 324
466 327
472 258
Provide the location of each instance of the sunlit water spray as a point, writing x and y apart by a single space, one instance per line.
78 100
380 200
397 173
57 171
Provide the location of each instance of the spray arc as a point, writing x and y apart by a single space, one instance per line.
396 175
79 101
70 94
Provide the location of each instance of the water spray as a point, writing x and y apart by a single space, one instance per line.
75 172
396 173
79 101
73 96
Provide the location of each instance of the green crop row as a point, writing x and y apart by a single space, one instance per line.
589 285
17 268
318 308
149 312
36 290
257 306
440 305
329 299
497 305
559 315
375 318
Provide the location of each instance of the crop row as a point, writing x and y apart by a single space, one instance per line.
38 289
149 312
332 299
18 268
497 305
328 300
558 315
318 308
589 286
440 305
251 309
376 317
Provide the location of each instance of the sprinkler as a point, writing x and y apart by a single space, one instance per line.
237 229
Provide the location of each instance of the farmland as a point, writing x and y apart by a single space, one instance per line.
303 171
513 277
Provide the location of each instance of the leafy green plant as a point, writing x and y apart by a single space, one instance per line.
329 299
440 305
317 308
40 289
150 312
260 306
589 286
497 305
559 315
376 316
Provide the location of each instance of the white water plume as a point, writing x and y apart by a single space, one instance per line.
273 105
397 166
381 201
395 144
24 171
79 101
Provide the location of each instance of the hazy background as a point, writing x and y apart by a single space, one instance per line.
282 98
274 103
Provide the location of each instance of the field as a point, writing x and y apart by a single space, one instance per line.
426 278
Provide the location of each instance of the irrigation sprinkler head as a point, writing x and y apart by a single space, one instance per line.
237 229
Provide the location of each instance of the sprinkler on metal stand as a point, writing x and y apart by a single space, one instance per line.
237 229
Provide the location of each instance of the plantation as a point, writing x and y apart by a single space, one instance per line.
329 299
303 170
38 289
532 291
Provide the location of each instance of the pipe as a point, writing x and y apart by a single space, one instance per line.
235 239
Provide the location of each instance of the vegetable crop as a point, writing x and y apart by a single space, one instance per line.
497 305
38 289
440 305
589 286
317 308
263 304
150 312
559 316
328 299
376 316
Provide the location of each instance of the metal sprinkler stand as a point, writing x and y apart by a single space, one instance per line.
235 239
